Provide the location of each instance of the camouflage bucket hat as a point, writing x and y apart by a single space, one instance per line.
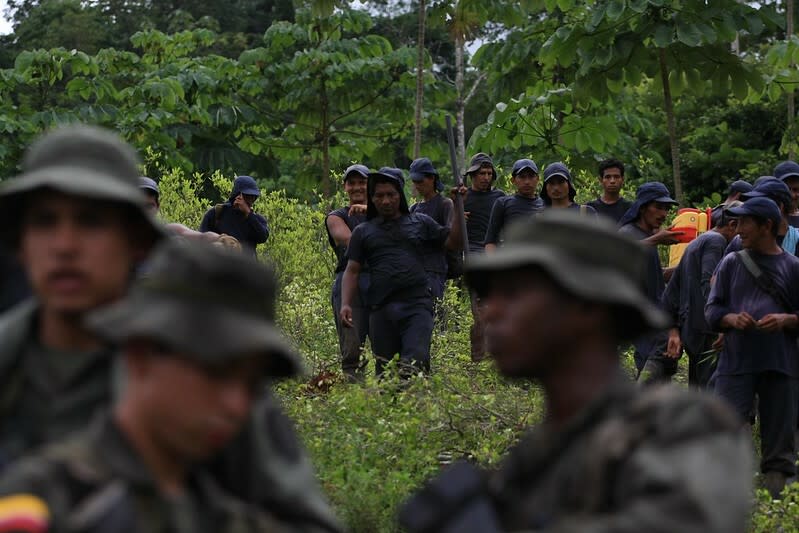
587 257
78 160
204 301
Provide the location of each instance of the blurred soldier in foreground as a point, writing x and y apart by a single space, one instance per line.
560 296
339 224
138 468
77 219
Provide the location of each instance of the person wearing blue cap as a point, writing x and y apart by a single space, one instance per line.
788 173
236 216
778 191
686 295
611 204
428 186
339 224
754 302
393 242
559 192
643 221
150 189
508 208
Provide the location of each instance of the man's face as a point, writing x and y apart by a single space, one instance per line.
793 185
527 322
387 200
612 180
78 253
249 198
526 182
212 407
653 215
481 179
355 187
557 188
151 203
425 187
753 234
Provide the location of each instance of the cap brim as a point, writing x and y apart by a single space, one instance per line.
527 167
666 200
205 332
790 175
560 174
739 211
417 177
251 192
753 194
582 279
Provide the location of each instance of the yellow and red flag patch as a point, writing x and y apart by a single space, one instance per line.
23 513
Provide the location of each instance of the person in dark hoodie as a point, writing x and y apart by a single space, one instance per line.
236 216
643 222
393 242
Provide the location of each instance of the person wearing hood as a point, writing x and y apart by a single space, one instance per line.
339 224
643 222
776 190
525 202
428 186
394 242
236 216
558 191
788 173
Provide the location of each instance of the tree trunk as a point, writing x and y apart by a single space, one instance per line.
460 101
325 141
673 140
791 93
417 131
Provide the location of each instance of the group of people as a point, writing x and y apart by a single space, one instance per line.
134 384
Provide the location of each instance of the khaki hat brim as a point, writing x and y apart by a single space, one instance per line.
203 331
581 279
77 182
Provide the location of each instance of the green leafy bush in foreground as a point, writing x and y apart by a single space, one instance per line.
373 444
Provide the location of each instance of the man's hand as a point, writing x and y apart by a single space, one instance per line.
674 347
455 191
357 209
718 344
241 204
776 322
664 236
345 315
740 321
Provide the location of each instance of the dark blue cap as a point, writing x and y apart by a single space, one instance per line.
421 168
362 170
761 179
651 191
770 188
521 164
760 207
557 169
390 173
786 169
245 185
740 186
148 184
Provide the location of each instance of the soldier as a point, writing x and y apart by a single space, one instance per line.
152 194
339 225
560 296
643 222
686 295
776 190
236 216
428 185
611 177
558 191
524 203
477 206
754 302
140 466
788 173
393 242
77 219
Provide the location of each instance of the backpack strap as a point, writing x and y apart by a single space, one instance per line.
762 280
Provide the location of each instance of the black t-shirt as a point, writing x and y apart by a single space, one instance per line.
439 209
479 204
395 250
351 221
507 209
613 211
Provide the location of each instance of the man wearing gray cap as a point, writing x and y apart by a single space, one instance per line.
77 219
140 467
559 298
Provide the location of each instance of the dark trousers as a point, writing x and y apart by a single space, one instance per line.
701 365
653 366
351 340
403 327
777 405
477 331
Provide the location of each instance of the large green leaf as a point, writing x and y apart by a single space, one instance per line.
615 9
663 36
688 33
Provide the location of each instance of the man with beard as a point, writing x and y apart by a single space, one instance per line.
339 225
393 242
